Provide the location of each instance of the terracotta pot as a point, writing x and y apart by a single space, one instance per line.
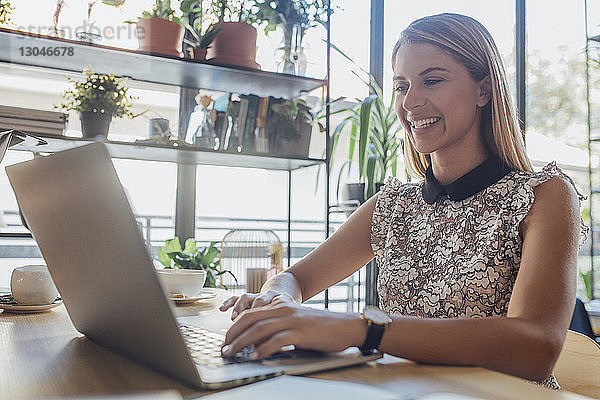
234 45
94 124
199 54
159 36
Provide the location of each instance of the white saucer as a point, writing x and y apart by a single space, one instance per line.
186 300
21 308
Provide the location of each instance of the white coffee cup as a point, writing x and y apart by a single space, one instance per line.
32 285
185 282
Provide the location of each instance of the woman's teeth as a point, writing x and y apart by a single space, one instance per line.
423 123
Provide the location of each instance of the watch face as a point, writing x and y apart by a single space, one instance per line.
376 315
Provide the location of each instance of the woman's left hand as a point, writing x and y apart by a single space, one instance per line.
272 327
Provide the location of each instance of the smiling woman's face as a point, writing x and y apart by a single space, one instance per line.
437 100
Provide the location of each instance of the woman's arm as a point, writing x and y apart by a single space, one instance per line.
526 343
347 250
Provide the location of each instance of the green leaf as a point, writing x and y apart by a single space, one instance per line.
587 283
164 258
370 177
114 3
173 245
363 136
352 145
190 246
209 254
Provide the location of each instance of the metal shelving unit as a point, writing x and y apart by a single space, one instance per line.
185 74
147 151
145 67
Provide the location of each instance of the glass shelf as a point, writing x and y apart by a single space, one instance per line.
188 155
150 68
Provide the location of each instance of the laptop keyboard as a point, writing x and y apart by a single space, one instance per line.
205 347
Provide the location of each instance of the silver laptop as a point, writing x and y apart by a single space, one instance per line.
82 221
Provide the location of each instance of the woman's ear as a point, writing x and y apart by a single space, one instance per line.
485 91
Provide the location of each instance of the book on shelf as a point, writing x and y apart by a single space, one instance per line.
241 125
221 105
250 123
261 139
232 140
221 128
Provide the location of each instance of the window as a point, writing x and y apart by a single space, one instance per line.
556 115
498 17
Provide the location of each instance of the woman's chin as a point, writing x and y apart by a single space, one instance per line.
424 148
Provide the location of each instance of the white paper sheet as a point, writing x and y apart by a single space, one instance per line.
163 395
297 388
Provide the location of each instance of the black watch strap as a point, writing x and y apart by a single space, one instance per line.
373 339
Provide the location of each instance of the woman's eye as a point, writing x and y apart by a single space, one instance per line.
430 82
401 88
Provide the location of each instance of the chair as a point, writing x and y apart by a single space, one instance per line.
578 367
580 321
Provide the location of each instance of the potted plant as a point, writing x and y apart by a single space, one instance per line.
236 43
159 30
193 257
98 99
196 37
201 42
289 126
294 17
375 138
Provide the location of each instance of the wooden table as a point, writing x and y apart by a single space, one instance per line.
44 356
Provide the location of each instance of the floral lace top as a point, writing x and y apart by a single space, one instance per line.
453 259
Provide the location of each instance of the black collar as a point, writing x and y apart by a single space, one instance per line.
479 178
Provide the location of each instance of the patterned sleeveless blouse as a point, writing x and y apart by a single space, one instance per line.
454 251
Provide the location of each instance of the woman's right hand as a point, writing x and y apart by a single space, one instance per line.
254 300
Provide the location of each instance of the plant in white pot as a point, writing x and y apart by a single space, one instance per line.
98 99
187 270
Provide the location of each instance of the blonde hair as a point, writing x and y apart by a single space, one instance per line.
470 44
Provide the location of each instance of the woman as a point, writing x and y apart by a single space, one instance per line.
477 263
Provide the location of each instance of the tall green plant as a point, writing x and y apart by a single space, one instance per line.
375 135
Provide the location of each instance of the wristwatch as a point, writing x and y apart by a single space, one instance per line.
377 321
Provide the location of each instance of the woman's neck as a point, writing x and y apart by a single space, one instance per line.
450 166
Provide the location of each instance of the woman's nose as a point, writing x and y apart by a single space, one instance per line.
413 98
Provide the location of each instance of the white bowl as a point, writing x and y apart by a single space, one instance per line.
186 282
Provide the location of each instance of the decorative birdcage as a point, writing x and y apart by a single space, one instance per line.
252 256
